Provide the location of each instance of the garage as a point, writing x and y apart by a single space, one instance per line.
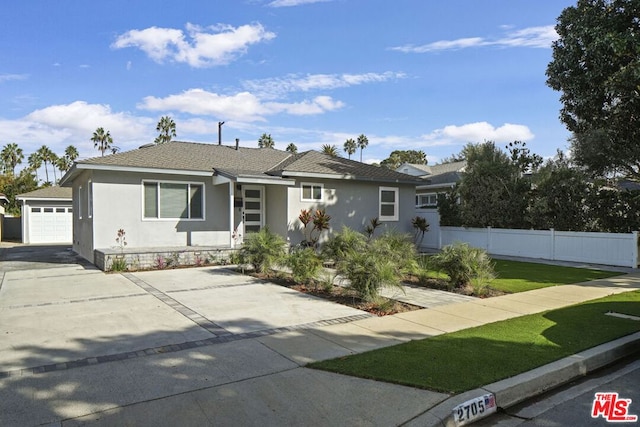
47 216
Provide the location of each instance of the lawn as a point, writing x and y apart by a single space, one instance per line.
464 360
516 276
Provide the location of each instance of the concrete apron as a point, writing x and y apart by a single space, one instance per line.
78 342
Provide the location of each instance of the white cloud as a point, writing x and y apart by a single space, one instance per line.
11 77
289 3
536 37
243 106
58 126
276 87
481 131
199 47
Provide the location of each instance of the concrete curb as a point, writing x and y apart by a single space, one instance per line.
511 391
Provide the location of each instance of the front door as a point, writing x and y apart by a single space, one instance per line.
253 196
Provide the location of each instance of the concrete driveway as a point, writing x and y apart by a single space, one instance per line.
77 342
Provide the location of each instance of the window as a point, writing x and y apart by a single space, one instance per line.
388 204
36 210
173 200
311 192
426 200
89 199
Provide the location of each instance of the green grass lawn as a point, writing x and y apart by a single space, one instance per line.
516 276
470 358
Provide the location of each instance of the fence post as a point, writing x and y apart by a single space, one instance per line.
488 240
552 235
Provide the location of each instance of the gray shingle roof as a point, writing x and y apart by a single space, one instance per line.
191 156
314 162
48 193
254 162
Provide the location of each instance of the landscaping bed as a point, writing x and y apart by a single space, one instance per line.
381 307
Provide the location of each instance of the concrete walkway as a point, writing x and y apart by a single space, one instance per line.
197 347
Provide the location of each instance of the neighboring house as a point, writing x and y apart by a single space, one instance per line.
47 215
436 179
189 194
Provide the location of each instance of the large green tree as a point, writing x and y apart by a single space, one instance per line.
494 190
35 163
12 185
11 156
102 140
292 148
596 66
398 157
167 128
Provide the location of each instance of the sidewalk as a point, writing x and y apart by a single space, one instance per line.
301 396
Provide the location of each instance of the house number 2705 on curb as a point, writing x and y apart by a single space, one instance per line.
474 409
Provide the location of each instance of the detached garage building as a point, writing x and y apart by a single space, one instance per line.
47 216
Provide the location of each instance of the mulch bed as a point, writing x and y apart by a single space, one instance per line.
343 296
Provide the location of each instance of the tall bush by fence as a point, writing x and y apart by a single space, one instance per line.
619 249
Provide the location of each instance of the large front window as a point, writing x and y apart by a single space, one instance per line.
173 200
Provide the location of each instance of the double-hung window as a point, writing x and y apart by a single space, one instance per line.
311 192
388 198
173 200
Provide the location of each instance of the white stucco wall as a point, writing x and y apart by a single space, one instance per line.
351 204
118 204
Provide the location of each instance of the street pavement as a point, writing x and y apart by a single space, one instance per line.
207 346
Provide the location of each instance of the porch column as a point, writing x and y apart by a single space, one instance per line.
231 213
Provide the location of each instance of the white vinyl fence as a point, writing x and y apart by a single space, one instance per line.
619 249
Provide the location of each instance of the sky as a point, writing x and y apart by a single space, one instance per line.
409 74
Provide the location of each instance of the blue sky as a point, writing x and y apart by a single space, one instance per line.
409 74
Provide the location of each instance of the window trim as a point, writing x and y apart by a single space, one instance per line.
158 182
80 202
395 204
89 199
312 185
428 204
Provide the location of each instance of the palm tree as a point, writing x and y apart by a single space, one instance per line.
266 141
65 162
331 150
46 156
291 148
101 140
362 142
71 153
35 162
11 156
350 146
167 128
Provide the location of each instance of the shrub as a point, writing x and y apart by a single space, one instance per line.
464 264
341 243
262 250
118 264
305 264
160 263
378 263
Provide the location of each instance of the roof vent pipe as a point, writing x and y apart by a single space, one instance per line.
237 143
220 132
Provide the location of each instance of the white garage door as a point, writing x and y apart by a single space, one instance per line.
50 225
